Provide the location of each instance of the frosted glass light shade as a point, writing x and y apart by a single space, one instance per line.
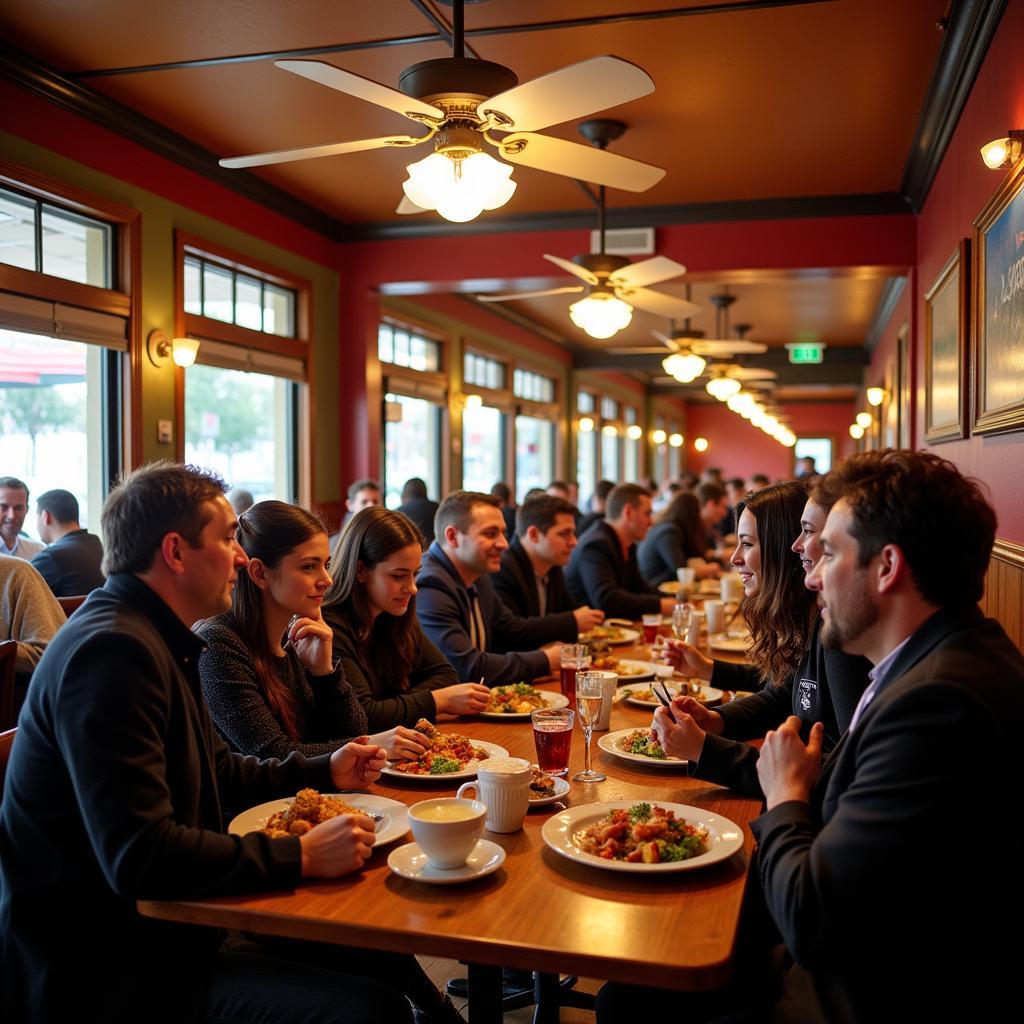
601 314
459 189
685 367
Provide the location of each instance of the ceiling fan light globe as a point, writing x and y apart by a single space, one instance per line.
461 189
722 388
684 366
601 315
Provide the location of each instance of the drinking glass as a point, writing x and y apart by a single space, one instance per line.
574 658
552 734
651 624
681 620
589 698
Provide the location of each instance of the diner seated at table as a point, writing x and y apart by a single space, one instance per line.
794 673
459 610
395 671
530 581
603 571
361 494
29 613
598 503
269 674
418 507
677 536
117 790
72 561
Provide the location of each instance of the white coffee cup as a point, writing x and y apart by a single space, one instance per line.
447 829
609 684
693 633
503 784
686 577
732 587
715 611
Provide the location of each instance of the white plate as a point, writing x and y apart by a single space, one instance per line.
469 772
394 821
627 635
609 744
561 788
724 836
410 862
551 700
738 643
647 666
670 587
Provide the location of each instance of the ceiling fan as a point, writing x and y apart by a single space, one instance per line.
612 285
461 102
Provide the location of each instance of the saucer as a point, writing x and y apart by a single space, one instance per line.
410 862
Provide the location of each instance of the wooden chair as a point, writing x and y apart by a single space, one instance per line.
6 742
69 604
8 655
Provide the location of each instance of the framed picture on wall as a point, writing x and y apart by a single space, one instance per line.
903 387
946 325
999 309
890 410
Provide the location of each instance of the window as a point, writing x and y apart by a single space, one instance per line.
532 386
631 449
535 454
586 465
585 402
483 447
403 346
483 372
817 448
611 447
660 452
609 409
412 446
234 297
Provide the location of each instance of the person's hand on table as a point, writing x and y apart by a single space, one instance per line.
357 764
337 846
588 618
687 659
703 717
786 767
461 699
401 743
554 653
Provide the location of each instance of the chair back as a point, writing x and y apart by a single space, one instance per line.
8 655
6 742
69 604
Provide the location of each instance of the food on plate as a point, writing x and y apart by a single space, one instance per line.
642 834
541 784
606 633
648 696
515 700
642 742
449 753
306 811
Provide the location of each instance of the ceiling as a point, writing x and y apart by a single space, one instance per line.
767 100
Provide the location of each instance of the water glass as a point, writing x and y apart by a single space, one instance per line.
589 699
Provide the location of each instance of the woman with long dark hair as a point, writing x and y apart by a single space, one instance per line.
397 674
268 672
678 534
799 677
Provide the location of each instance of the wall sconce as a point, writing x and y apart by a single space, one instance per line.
701 444
856 431
586 424
863 420
875 396
182 350
634 432
610 430
676 440
474 402
1003 152
659 436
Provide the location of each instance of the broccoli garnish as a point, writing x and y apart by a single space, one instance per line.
444 766
639 812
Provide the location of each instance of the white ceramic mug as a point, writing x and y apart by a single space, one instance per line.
686 577
447 829
503 784
715 611
693 633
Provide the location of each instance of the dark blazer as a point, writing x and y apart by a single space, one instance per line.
71 566
443 607
665 549
585 522
421 511
516 585
117 790
597 575
912 837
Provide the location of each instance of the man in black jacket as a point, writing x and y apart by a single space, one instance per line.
72 561
118 787
530 581
418 507
603 570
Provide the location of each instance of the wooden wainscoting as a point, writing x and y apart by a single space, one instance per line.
1004 589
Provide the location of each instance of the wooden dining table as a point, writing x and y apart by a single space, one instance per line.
539 911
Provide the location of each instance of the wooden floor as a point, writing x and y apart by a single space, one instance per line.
441 970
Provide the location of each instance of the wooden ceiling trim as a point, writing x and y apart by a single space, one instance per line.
886 304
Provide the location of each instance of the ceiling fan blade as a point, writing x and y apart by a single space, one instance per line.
667 306
283 156
573 268
572 289
670 343
639 350
646 272
724 348
582 162
568 93
361 88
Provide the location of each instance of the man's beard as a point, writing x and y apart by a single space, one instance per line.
861 613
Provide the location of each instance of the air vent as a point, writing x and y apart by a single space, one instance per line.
625 242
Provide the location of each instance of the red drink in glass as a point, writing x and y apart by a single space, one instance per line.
569 683
650 632
553 744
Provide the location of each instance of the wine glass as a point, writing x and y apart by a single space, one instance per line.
681 620
589 697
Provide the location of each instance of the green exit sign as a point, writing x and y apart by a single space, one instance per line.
801 352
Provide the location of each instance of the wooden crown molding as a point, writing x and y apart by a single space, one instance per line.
1007 551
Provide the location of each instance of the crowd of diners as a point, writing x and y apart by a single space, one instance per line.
230 652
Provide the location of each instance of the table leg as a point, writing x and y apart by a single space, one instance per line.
485 994
547 998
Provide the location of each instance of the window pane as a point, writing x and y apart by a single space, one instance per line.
50 419
610 457
385 347
218 303
609 408
17 231
483 448
818 448
76 248
278 311
248 303
193 296
586 465
631 470
585 402
535 454
401 344
495 374
239 425
412 447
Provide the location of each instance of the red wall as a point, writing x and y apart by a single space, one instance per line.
739 449
961 189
